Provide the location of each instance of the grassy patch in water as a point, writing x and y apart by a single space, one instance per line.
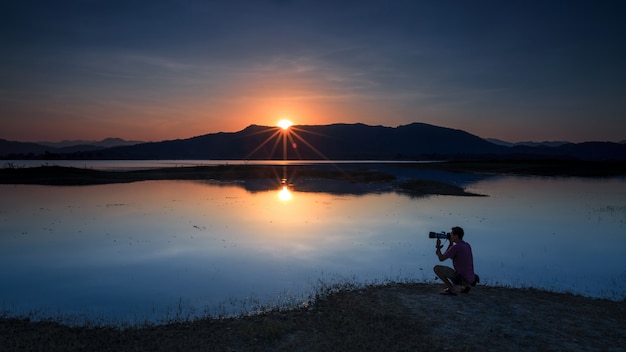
418 188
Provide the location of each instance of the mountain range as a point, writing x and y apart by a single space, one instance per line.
416 141
105 143
527 143
13 149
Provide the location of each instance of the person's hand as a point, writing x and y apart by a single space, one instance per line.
439 246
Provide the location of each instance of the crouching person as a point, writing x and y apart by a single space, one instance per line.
462 260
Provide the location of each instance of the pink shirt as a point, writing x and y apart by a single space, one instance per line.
462 259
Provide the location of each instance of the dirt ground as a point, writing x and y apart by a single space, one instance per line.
396 317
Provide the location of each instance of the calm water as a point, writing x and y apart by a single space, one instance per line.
159 250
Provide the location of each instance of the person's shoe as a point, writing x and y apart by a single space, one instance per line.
447 292
476 280
466 289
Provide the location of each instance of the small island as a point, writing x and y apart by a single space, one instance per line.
71 176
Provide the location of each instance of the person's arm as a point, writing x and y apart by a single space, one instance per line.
442 256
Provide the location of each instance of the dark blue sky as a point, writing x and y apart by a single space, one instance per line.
154 70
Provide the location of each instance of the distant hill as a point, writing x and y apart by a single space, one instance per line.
528 143
105 143
13 150
416 141
8 148
583 151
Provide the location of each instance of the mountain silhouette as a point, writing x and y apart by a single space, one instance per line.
416 141
9 148
28 150
316 142
527 143
105 143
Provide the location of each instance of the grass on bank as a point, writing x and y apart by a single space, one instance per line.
391 317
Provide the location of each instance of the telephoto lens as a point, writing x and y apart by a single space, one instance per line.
440 235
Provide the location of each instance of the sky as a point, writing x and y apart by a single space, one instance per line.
155 70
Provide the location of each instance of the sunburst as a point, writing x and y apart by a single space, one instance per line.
284 124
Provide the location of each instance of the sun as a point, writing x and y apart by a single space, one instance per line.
284 124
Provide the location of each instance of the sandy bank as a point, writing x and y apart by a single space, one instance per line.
402 317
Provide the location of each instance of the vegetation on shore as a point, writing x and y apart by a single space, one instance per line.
418 188
392 317
59 175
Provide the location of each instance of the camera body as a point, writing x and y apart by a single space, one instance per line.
440 235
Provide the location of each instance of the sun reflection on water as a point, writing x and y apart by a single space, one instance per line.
285 194
285 133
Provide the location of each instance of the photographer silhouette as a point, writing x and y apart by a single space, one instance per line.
462 260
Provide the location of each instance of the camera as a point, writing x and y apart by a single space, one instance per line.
439 235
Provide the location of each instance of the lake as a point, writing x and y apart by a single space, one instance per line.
161 250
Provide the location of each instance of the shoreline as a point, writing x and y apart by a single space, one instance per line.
351 173
71 176
391 317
